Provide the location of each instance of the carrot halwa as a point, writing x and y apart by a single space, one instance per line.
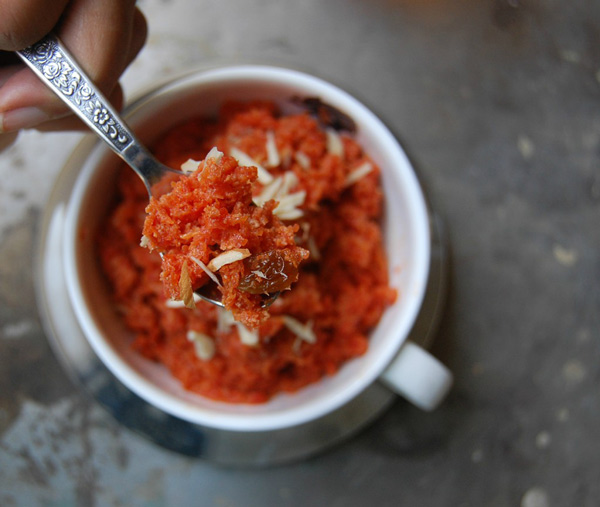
283 184
207 223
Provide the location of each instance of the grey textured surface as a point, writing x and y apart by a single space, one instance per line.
497 103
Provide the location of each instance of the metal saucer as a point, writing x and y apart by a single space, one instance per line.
229 448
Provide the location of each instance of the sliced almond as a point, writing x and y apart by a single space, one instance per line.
247 336
303 331
189 166
268 192
360 172
204 345
290 180
186 292
292 200
214 154
303 160
224 320
233 255
204 268
264 176
145 241
273 158
289 214
335 146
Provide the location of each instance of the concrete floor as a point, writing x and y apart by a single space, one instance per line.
497 103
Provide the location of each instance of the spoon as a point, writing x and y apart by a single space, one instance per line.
53 64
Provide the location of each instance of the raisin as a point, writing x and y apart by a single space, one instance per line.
268 272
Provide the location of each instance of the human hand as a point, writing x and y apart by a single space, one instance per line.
103 36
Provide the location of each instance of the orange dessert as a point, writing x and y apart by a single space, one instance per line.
209 229
286 190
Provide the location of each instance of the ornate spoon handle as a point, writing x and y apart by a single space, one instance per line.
59 70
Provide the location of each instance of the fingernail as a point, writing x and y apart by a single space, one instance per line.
22 118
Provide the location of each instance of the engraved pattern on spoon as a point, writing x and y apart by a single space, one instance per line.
49 60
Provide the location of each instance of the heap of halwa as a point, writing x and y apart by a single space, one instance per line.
308 184
210 230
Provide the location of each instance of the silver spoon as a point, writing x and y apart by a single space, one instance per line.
53 64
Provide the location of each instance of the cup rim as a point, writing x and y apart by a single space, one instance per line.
232 420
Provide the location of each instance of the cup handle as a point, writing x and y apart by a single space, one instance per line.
418 376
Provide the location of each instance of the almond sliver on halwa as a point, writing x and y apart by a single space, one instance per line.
335 146
303 160
189 166
247 336
268 192
292 200
144 242
278 187
360 172
303 331
214 154
186 292
204 345
273 158
204 268
289 213
264 176
234 255
288 209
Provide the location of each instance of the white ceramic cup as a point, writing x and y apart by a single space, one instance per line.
403 366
